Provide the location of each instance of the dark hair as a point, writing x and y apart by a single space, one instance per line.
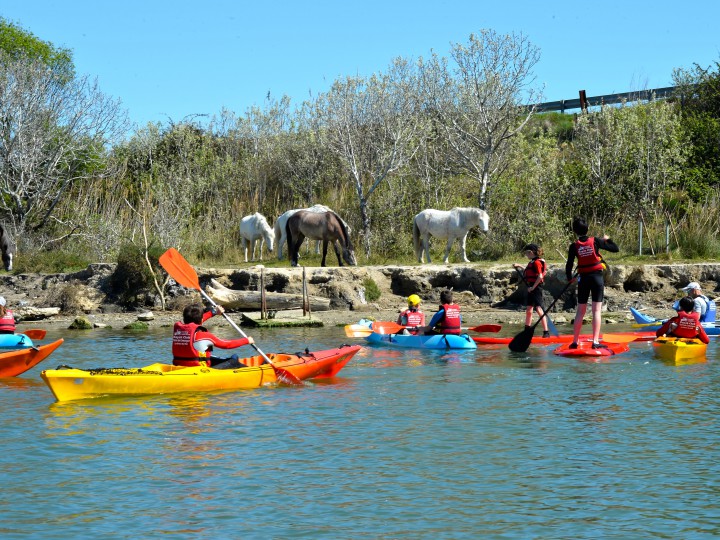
537 250
446 297
193 313
687 304
580 226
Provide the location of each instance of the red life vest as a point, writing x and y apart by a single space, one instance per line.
531 272
450 323
414 317
7 323
686 325
588 259
183 349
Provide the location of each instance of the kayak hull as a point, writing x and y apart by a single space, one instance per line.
562 338
585 349
651 323
14 363
438 341
72 384
674 349
15 341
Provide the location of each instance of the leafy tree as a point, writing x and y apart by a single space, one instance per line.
18 43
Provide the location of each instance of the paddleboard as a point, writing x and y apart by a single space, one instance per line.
585 349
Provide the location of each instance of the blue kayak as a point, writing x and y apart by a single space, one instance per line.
15 341
651 323
438 341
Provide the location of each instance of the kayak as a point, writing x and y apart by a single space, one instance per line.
651 323
585 349
13 363
673 349
434 341
70 384
15 341
562 338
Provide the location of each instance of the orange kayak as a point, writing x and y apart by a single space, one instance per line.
14 363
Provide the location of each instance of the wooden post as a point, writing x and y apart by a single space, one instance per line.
305 300
263 302
583 101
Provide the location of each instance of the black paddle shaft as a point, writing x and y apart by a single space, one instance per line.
521 342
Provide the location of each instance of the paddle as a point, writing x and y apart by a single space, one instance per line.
551 325
618 338
181 271
642 325
35 333
486 328
521 342
357 330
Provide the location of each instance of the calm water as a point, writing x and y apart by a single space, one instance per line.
406 444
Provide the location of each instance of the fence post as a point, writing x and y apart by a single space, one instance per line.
263 304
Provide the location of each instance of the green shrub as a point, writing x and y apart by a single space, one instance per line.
132 277
372 291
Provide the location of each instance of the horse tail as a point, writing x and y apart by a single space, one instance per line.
416 238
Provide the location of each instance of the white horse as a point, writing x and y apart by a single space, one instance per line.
450 225
281 221
252 228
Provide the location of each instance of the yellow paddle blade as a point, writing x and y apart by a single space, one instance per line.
618 338
643 325
357 330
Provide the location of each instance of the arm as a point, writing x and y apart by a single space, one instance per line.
436 318
606 244
702 335
665 328
572 252
223 343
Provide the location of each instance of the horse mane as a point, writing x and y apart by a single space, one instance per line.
467 215
346 234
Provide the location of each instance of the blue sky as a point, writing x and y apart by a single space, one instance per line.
169 59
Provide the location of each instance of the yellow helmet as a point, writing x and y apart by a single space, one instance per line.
414 300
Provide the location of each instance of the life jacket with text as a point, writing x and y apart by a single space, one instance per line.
183 349
7 323
450 323
588 259
686 325
413 317
710 313
531 272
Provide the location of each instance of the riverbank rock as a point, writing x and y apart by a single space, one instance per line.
486 287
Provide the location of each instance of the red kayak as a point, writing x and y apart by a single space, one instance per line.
584 348
14 363
563 338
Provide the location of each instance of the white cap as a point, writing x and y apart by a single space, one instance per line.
2 301
691 286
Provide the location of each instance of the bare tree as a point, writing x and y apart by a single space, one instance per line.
483 101
371 125
54 132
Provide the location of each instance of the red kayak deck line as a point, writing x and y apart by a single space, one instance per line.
585 349
563 338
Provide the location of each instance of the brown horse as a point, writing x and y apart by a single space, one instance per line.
326 226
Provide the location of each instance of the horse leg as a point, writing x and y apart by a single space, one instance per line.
243 246
462 248
294 248
426 247
262 245
447 249
336 247
324 252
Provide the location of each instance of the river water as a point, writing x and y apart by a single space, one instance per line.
406 444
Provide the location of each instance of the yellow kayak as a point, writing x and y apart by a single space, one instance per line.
675 349
70 383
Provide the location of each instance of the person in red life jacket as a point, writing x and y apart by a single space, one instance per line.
447 320
586 249
192 344
686 324
412 316
534 277
7 319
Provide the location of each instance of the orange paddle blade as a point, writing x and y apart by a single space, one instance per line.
35 333
386 327
179 269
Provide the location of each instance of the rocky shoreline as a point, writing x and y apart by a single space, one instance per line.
487 293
